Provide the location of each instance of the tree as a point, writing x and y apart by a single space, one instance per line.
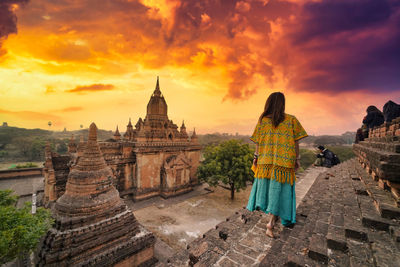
5 139
20 230
37 149
23 145
227 165
62 147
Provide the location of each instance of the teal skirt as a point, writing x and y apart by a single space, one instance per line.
274 197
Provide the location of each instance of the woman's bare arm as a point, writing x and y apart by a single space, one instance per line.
297 148
255 153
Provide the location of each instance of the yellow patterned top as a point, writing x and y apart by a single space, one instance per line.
276 146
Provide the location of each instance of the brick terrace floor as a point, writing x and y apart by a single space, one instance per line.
343 220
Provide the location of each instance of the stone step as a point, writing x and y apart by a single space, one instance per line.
377 155
395 191
386 146
385 139
360 254
274 256
336 238
394 231
292 246
300 260
358 185
383 200
338 259
318 249
370 217
384 250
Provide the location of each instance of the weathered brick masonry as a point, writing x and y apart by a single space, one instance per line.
380 156
93 226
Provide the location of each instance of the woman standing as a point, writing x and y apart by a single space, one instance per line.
276 158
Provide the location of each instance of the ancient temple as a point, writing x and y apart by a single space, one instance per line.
93 226
154 157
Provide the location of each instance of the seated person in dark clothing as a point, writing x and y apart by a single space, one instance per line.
391 111
326 158
359 136
374 118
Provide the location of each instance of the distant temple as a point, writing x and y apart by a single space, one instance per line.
153 158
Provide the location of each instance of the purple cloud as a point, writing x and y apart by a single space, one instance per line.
345 45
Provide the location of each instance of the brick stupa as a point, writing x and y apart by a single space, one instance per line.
93 226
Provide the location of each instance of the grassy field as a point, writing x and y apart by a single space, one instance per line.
12 165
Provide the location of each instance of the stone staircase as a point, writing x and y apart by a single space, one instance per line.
346 219
238 241
349 217
380 156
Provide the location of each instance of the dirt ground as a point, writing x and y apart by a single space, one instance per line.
179 224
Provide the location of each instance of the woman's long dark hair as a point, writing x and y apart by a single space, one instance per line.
275 108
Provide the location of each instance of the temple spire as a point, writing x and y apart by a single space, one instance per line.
193 138
157 91
93 132
117 135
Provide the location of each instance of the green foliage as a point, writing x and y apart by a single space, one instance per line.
20 230
217 138
5 139
62 147
37 149
228 163
307 157
3 154
7 199
343 152
22 166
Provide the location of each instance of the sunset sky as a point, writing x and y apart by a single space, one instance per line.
72 62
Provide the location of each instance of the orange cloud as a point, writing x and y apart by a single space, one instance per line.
163 34
31 115
70 109
91 88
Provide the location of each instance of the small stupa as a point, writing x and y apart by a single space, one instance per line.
93 226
